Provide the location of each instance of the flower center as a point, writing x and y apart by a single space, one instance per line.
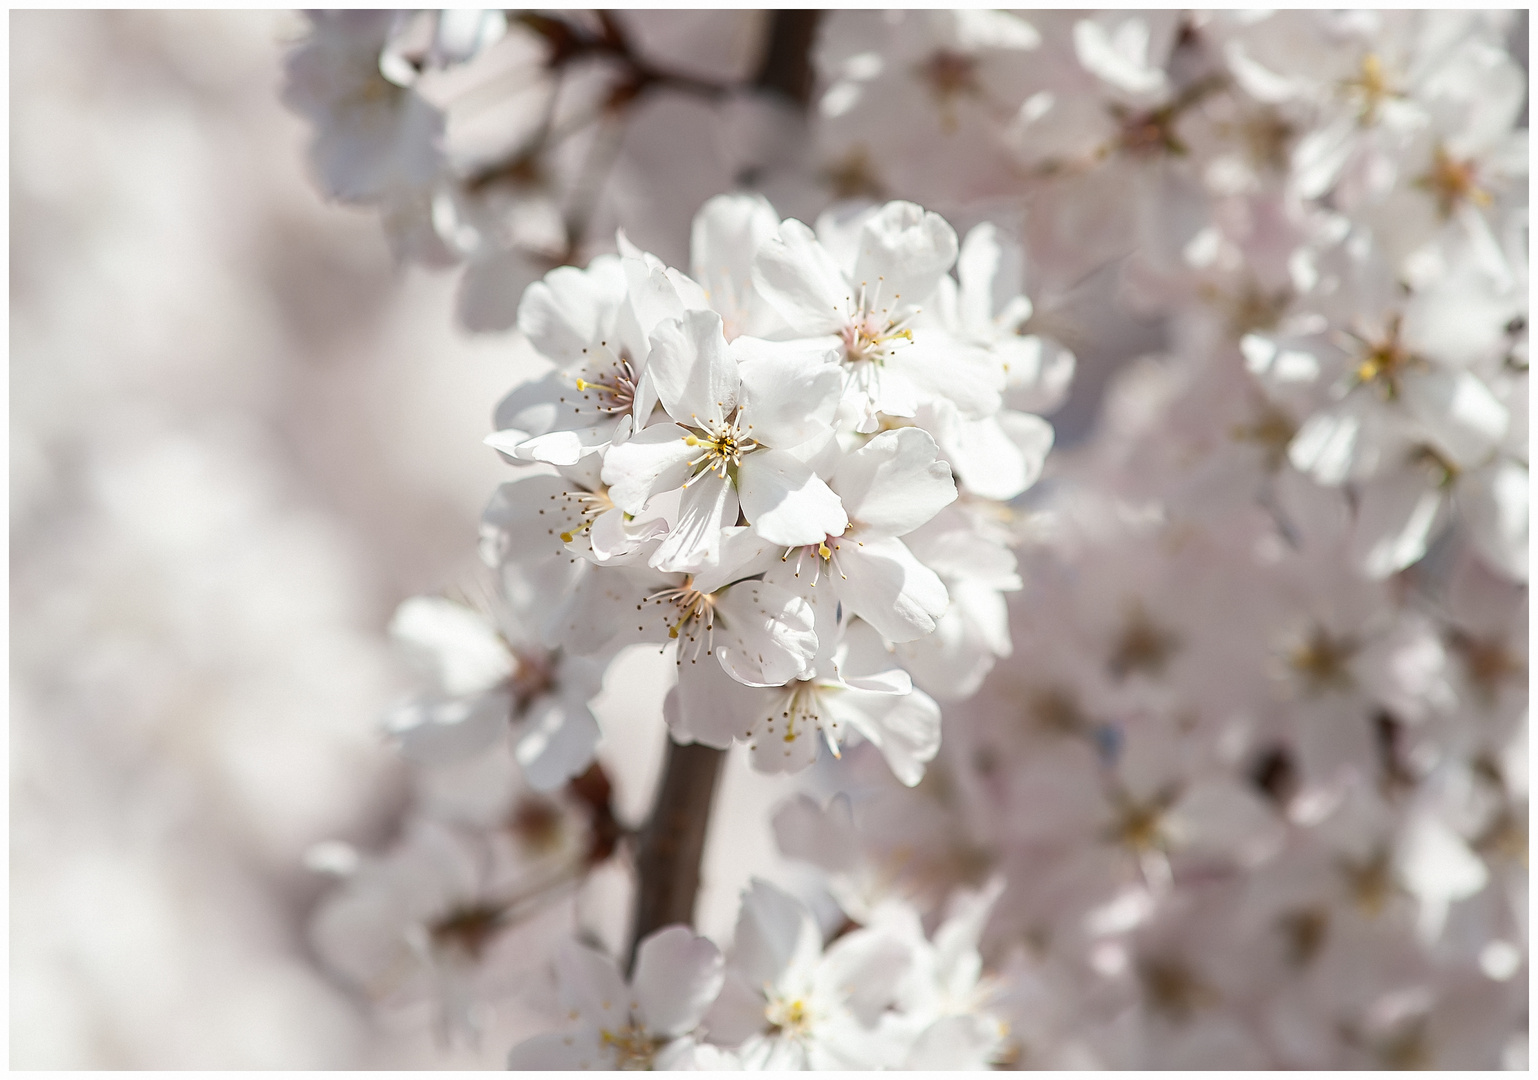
1370 883
1505 837
590 505
1149 133
613 391
822 554
1252 308
1487 662
1268 137
1056 709
1409 1049
692 616
1369 88
1142 646
873 334
533 677
789 1016
800 713
1172 989
1140 828
1452 182
1304 931
854 176
722 444
1384 361
633 1048
1324 661
950 74
1272 431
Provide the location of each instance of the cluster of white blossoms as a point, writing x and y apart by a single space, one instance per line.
782 510
745 504
1234 768
877 996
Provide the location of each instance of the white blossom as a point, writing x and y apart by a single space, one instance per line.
646 1023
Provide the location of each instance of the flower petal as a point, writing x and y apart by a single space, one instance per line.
709 706
781 741
1463 418
785 502
764 635
880 581
1395 516
939 366
677 977
1494 504
708 505
802 282
790 390
436 730
865 968
571 309
652 460
591 987
906 249
773 930
555 743
724 239
976 267
895 483
695 377
459 645
905 727
581 1050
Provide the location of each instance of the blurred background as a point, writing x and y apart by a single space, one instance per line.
240 436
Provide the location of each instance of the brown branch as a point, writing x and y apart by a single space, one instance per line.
668 857
787 65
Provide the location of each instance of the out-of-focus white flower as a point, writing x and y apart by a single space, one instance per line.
492 676
427 919
648 1023
944 997
376 137
918 101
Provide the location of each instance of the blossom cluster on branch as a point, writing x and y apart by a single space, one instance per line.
1235 717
